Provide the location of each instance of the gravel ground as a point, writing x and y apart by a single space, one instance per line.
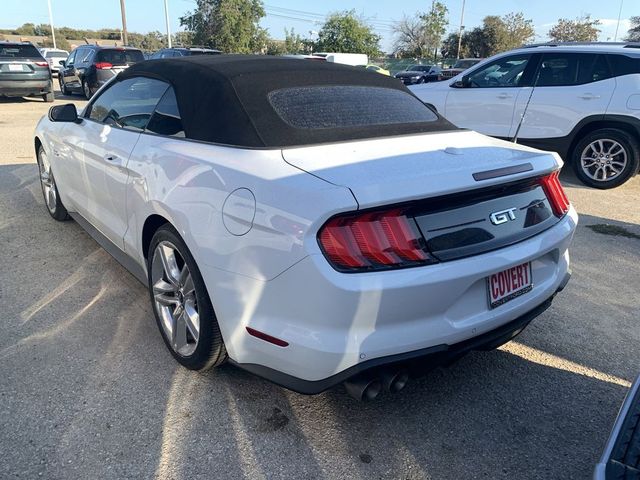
88 389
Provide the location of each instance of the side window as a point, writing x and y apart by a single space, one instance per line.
158 54
127 104
166 119
504 72
624 65
72 58
567 69
86 55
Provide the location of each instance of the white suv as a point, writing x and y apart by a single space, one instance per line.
581 100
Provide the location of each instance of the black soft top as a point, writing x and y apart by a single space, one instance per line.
225 98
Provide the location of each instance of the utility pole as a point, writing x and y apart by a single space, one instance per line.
124 23
615 37
53 33
166 18
460 29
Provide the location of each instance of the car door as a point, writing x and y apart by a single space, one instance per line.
100 147
567 88
485 100
67 70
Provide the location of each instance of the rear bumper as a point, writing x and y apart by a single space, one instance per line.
417 362
335 322
23 88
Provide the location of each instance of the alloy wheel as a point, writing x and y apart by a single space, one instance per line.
174 297
47 181
603 159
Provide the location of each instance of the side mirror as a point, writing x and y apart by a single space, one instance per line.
63 113
464 82
63 63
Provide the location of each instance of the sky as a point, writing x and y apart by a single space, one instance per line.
306 17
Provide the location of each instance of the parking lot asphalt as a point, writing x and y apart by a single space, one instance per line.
88 389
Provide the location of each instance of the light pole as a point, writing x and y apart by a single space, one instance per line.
53 33
460 29
615 37
125 39
166 18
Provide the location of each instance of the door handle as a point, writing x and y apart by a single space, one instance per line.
504 96
589 96
110 157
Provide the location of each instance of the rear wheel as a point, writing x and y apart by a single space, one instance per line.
181 304
49 188
606 158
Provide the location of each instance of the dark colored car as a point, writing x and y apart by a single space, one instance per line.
460 66
24 72
91 66
420 74
621 456
184 52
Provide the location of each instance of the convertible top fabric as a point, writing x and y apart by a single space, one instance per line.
224 99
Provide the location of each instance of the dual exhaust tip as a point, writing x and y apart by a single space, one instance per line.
367 387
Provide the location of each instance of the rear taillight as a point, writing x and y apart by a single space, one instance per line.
555 193
42 64
103 65
373 241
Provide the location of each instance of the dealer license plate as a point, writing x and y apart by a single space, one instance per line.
509 284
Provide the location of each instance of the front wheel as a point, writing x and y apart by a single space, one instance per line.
606 158
63 86
49 187
181 304
87 90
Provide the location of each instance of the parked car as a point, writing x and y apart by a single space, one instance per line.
55 57
24 72
324 226
621 456
375 68
460 66
89 67
420 74
581 100
184 52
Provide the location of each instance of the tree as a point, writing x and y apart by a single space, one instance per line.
345 32
228 25
183 39
582 29
633 35
419 36
293 43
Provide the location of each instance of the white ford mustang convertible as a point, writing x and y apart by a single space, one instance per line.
312 223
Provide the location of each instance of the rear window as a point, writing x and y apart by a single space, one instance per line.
19 51
347 106
119 57
624 65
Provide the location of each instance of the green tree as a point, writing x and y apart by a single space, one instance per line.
183 39
449 48
421 35
633 35
228 25
517 31
293 43
582 29
345 32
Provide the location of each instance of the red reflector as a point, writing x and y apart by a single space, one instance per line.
373 241
42 64
267 338
103 65
555 193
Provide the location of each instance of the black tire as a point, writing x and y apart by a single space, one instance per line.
210 350
86 90
63 86
54 204
48 97
630 149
